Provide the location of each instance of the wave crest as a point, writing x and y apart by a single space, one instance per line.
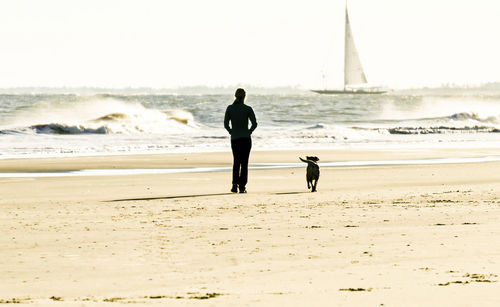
443 130
111 117
317 126
68 129
472 116
101 116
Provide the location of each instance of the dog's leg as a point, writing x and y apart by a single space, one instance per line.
308 184
314 185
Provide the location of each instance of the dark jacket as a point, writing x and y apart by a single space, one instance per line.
239 114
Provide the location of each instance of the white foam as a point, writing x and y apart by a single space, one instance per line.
108 114
443 107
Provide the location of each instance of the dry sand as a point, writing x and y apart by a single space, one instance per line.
421 235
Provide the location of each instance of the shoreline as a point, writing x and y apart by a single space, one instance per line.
356 147
224 159
252 166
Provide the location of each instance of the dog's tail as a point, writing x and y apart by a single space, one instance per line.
308 161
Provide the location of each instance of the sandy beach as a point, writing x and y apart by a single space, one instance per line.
400 235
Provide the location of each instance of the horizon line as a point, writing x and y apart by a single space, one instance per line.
232 86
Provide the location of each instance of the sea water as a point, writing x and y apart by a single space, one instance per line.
34 125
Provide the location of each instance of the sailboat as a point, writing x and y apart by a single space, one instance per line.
354 76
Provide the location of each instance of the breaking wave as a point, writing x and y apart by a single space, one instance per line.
317 126
442 130
111 117
65 129
463 116
108 116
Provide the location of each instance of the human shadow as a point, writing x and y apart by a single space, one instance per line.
165 197
290 193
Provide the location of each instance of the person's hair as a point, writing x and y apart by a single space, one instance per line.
240 95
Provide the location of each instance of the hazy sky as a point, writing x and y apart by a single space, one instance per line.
168 43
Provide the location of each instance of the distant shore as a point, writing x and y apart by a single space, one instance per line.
229 90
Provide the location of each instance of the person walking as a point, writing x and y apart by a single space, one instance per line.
238 114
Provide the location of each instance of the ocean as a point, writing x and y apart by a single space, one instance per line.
52 125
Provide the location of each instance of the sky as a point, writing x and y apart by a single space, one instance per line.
172 43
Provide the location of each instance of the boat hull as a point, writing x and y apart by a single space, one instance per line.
353 92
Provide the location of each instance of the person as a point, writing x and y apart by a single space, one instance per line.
238 114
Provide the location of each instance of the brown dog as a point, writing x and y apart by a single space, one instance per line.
312 172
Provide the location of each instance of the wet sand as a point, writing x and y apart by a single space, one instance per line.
406 235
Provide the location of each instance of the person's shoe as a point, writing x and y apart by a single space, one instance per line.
234 189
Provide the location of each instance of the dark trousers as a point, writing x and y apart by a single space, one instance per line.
241 152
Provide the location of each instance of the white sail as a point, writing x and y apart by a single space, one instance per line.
354 76
353 71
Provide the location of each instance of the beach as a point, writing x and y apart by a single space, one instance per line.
373 235
120 122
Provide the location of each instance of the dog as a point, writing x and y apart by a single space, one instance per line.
312 172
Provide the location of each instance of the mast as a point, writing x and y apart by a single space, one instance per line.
346 24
